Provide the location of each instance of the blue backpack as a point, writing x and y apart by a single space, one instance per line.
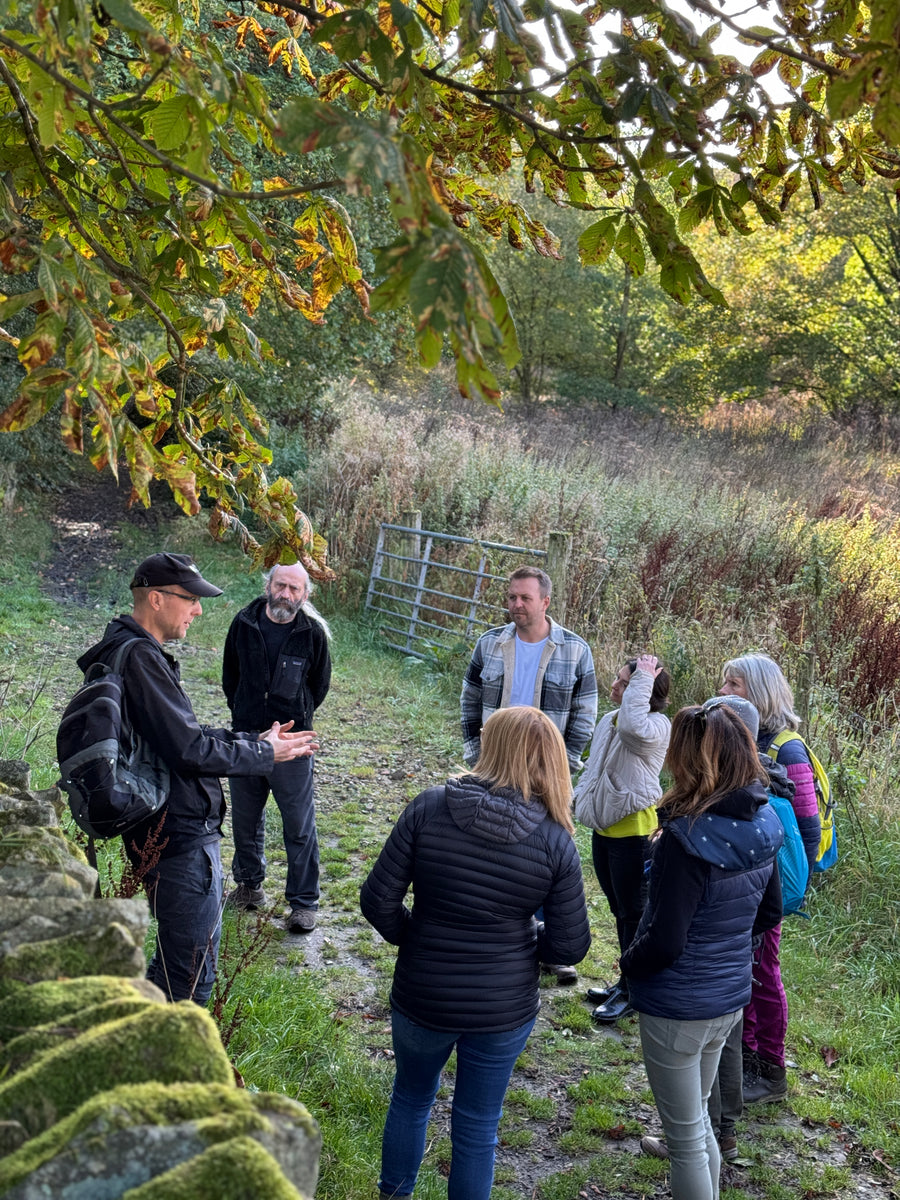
793 866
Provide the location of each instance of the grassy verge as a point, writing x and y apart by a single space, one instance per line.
36 637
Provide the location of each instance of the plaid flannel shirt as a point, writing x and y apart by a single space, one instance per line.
566 687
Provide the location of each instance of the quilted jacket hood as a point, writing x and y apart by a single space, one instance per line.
498 814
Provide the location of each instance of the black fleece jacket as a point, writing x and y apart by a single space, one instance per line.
302 676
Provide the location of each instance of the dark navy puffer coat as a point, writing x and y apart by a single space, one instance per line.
712 885
480 864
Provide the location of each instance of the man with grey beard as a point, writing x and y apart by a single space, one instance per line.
276 660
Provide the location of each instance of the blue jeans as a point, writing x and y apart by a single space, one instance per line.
185 894
291 784
681 1058
484 1063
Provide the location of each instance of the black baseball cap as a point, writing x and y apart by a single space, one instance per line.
163 570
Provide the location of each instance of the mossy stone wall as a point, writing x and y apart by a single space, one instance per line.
105 1089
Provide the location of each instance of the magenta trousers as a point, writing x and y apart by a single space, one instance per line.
766 1016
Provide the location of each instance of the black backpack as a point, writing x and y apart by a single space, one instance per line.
112 778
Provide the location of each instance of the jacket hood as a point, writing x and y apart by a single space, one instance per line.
500 815
741 804
122 629
779 781
738 832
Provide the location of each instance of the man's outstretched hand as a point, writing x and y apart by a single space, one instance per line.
288 745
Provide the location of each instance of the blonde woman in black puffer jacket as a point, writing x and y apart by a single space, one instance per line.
482 854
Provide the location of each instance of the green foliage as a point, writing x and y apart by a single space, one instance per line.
184 172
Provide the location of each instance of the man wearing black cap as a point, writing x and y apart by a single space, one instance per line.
175 852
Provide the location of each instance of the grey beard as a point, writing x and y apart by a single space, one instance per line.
284 610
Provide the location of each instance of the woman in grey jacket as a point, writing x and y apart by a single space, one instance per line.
482 854
616 796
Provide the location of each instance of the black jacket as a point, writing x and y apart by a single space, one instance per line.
302 677
157 706
480 864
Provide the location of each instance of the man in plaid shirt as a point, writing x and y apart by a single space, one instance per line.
532 660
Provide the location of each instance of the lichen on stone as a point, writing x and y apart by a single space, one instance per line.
216 1113
111 947
56 1000
16 1054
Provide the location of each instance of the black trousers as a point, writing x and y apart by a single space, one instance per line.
619 863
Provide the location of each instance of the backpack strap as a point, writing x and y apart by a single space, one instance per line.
786 735
120 655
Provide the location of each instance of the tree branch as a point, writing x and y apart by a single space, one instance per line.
112 265
769 42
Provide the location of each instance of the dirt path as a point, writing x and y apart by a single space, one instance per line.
87 539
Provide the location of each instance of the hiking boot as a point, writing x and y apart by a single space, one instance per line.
728 1148
769 1086
750 1068
301 920
246 898
655 1147
564 974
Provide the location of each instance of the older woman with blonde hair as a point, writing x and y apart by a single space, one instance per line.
482 853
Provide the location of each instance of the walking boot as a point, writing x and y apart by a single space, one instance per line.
655 1147
751 1068
769 1086
247 898
728 1148
564 973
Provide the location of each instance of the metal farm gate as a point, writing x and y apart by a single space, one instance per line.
433 591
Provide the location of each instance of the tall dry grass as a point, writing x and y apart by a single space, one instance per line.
702 539
752 530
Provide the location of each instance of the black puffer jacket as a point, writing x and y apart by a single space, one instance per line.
480 864
158 708
303 674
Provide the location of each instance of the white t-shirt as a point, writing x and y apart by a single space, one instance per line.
528 659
